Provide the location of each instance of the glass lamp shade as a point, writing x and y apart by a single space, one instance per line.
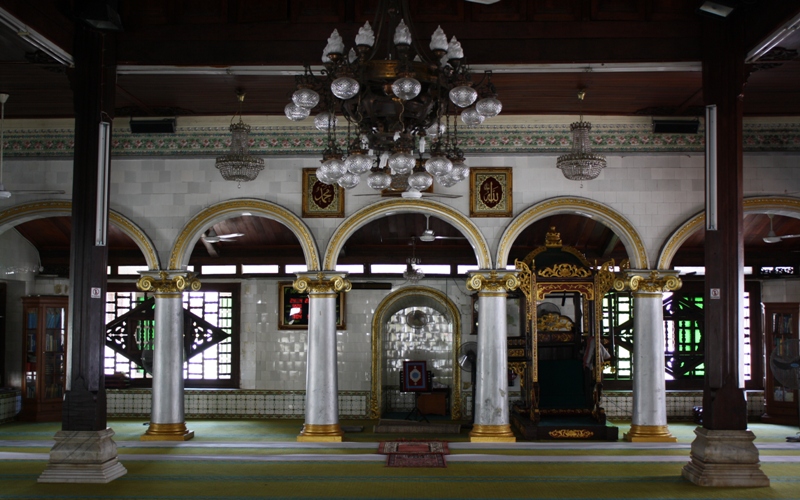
379 180
323 177
459 172
471 117
489 107
406 88
438 165
295 112
463 96
333 169
446 181
325 120
436 130
305 98
349 181
345 87
419 181
358 163
401 163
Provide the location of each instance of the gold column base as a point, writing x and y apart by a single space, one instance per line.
320 433
167 432
649 434
492 434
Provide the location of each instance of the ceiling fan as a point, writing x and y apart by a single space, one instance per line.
211 236
428 235
4 193
771 237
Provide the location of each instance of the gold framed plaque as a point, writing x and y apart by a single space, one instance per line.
319 199
490 191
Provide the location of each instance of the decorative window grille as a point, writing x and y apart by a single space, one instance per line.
683 329
618 334
210 340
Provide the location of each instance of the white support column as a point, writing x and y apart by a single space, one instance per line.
491 387
322 388
649 422
167 420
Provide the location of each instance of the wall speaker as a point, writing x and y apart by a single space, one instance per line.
675 126
161 126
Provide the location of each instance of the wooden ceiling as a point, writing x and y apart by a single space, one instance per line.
556 42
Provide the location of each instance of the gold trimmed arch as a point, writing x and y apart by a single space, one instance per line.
392 303
780 205
389 207
192 231
629 236
59 208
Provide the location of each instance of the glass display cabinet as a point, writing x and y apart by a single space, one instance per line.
44 361
780 324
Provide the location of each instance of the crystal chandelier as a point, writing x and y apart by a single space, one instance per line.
581 164
238 165
401 106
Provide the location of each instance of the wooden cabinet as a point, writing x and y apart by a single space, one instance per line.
44 357
780 322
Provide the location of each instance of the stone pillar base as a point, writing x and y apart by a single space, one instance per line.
725 458
83 457
321 433
492 434
167 432
649 434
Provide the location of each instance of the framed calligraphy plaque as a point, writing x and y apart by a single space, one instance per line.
321 200
490 192
293 308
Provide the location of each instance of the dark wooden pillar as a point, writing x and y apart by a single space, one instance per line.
724 406
93 81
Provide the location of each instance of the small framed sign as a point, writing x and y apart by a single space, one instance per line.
293 308
490 192
319 199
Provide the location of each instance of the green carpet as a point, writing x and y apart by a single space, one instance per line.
235 471
206 480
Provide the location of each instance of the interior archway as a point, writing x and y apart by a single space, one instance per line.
409 298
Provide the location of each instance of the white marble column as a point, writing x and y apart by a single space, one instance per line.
491 387
649 421
167 421
322 388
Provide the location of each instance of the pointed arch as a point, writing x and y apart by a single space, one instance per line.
621 226
60 208
191 232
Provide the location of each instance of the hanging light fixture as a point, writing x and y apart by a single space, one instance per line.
412 273
395 103
238 165
581 164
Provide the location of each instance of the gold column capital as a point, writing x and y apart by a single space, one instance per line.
167 282
649 281
322 283
492 281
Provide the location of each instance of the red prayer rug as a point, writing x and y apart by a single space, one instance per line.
415 460
390 447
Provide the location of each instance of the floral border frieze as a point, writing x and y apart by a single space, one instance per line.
487 139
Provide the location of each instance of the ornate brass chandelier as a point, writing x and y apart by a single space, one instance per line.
401 106
581 164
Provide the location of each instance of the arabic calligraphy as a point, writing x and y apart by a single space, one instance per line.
491 192
322 194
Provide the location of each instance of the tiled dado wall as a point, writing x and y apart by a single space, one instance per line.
231 403
208 403
10 405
